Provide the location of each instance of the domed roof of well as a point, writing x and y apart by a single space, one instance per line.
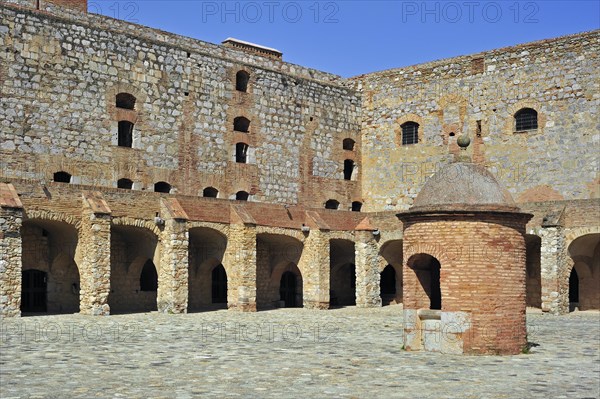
463 186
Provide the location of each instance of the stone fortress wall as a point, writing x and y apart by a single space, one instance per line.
62 76
312 137
479 95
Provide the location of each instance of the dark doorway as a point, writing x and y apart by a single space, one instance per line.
573 290
149 277
219 285
436 291
34 291
287 289
387 287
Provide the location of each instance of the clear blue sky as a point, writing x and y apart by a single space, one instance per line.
354 37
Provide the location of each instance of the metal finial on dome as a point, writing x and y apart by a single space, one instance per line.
463 141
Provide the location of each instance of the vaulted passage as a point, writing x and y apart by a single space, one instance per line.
584 276
342 291
134 265
207 277
277 258
50 276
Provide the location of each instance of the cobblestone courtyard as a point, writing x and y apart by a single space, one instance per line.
295 353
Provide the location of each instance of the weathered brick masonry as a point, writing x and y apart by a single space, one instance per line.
141 170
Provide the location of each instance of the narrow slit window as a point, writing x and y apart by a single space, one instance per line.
241 81
241 153
125 134
348 169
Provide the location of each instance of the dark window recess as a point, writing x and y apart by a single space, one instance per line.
356 206
332 204
162 187
526 119
125 101
62 177
149 277
410 133
241 153
241 81
348 169
388 281
242 196
241 124
210 192
125 183
348 144
125 134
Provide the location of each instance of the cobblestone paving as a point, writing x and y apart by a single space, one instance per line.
287 353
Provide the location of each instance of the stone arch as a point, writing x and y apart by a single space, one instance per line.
206 251
390 255
141 223
33 214
289 295
51 247
342 272
584 252
133 244
274 251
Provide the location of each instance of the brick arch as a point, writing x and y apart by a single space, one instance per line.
145 224
574 233
409 250
32 215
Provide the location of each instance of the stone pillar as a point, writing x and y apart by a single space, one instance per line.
172 294
11 220
240 262
367 270
93 256
315 268
554 267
